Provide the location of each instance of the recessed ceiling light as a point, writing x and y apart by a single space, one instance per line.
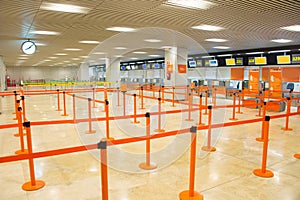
254 53
89 42
224 55
121 29
75 58
66 61
72 49
295 28
52 57
208 28
118 56
83 56
47 60
120 48
216 40
221 47
61 54
195 4
64 7
45 32
282 40
24 55
279 51
152 40
208 56
154 55
39 44
134 58
99 53
101 58
139 52
166 47
22 58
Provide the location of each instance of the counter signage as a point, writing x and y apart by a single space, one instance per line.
251 61
295 58
199 63
239 61
206 64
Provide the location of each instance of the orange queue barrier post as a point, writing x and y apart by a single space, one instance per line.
263 172
74 108
260 104
159 129
148 165
187 93
118 93
23 108
200 111
239 103
33 184
264 110
102 145
105 96
233 108
58 100
107 120
288 113
297 155
16 107
142 99
153 93
94 94
124 103
173 97
21 135
17 104
190 102
163 94
65 105
209 147
214 97
191 194
20 125
134 110
90 118
206 102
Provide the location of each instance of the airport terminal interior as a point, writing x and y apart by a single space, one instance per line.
152 100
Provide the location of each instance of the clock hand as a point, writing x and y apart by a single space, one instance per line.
29 47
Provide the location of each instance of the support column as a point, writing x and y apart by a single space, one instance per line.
112 70
2 75
84 72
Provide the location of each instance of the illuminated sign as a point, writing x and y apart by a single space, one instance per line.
239 61
283 59
230 61
296 58
260 60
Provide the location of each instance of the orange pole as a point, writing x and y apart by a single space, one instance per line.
148 165
159 117
206 102
102 145
58 101
20 125
191 193
22 150
153 94
173 97
65 106
200 111
233 108
90 117
264 110
124 103
190 107
118 91
105 96
209 147
142 98
23 107
260 104
288 112
187 92
33 184
74 108
107 120
239 104
17 104
134 110
94 103
263 172
215 97
163 94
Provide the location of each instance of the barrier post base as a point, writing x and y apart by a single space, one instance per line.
267 174
148 167
185 195
159 130
189 120
239 112
142 108
259 139
108 139
286 129
297 156
59 110
207 148
64 115
234 119
29 187
135 122
19 152
90 131
201 124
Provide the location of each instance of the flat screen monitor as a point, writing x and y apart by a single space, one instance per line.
144 66
128 67
163 65
156 66
123 68
192 63
213 63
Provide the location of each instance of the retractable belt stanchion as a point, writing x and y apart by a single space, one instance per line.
74 108
65 105
33 184
200 111
263 172
142 98
17 103
215 97
187 93
239 104
191 194
297 155
148 165
94 97
173 97
163 94
264 110
124 103
206 102
233 108
16 106
260 104
105 97
102 145
209 147
159 129
288 112
21 120
118 91
134 110
58 100
190 102
23 108
90 117
21 135
107 120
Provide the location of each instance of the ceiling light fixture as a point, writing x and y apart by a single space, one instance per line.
281 40
120 48
64 7
134 58
221 47
99 53
207 56
279 51
254 53
152 40
225 55
194 4
45 32
89 42
216 40
72 49
61 54
40 44
205 27
139 52
154 55
295 28
121 29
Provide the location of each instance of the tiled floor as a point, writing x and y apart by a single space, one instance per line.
221 175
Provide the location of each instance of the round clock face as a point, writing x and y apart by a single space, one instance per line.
28 47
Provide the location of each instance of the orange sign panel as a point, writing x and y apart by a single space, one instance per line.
182 68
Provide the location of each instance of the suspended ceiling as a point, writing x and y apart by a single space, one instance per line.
248 24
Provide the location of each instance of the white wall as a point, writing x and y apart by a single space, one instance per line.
47 73
2 74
